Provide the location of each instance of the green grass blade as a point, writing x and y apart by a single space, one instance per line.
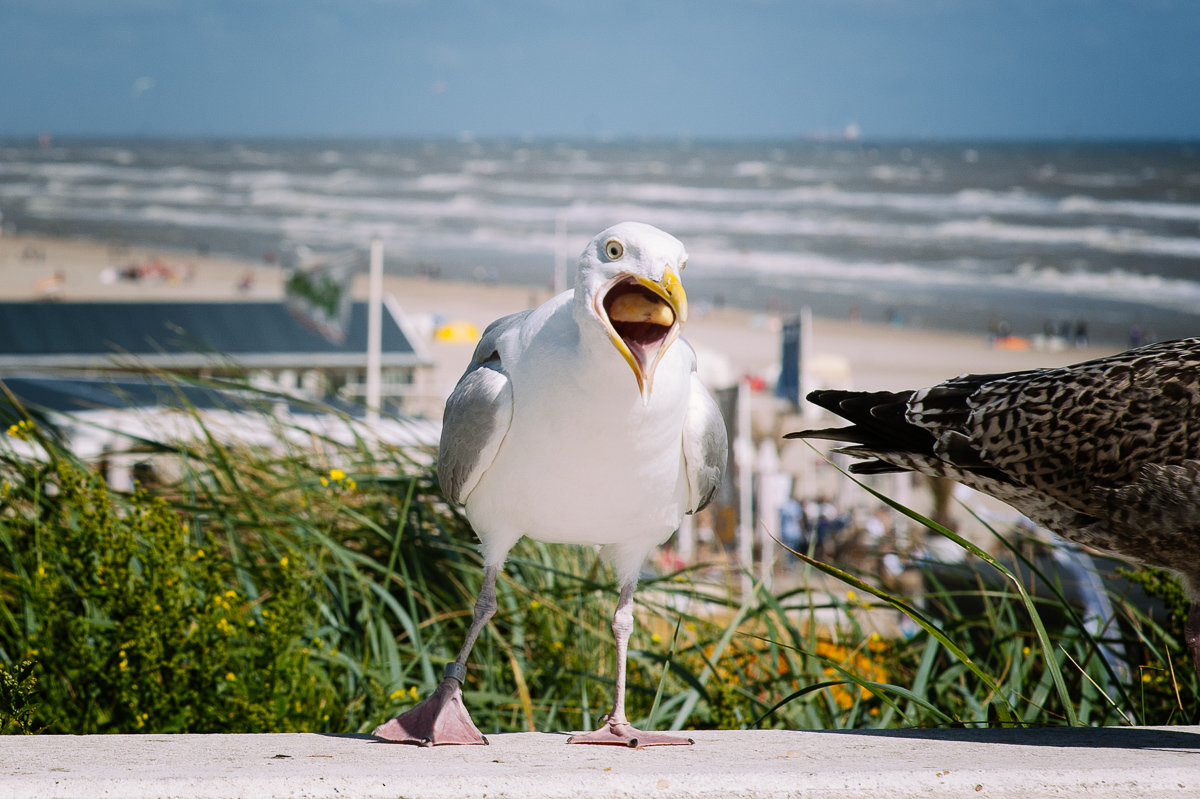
1048 651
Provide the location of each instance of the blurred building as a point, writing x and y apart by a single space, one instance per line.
258 341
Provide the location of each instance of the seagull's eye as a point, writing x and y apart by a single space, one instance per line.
614 250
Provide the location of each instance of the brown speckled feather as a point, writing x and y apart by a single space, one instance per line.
1103 452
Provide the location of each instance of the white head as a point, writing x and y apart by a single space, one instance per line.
628 280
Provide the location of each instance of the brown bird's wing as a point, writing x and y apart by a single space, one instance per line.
1068 431
1060 433
1105 452
1153 518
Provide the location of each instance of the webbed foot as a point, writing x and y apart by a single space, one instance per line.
622 733
441 719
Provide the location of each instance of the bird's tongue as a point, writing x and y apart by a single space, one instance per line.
641 318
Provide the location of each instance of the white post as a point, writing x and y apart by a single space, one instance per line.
743 452
685 540
768 508
560 254
374 331
120 472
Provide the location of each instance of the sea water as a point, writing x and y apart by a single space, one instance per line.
968 236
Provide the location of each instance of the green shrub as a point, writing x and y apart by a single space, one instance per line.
135 625
322 586
17 686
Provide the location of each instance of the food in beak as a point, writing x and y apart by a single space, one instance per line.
640 317
641 308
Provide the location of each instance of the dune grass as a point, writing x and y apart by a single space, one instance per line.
323 585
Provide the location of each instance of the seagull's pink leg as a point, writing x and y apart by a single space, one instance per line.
442 718
617 730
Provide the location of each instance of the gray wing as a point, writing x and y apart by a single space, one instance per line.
705 445
478 414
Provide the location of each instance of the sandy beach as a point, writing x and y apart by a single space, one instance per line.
873 356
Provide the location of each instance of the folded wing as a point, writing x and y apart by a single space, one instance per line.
478 415
705 444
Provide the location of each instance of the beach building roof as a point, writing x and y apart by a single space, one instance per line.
183 335
94 417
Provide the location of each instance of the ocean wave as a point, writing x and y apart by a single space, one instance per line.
710 254
349 182
267 199
1120 285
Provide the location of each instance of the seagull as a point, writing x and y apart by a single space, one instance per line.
1105 453
549 435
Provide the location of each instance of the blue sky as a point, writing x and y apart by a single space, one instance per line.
733 69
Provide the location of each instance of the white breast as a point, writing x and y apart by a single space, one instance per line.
584 462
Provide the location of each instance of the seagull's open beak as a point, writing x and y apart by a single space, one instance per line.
643 318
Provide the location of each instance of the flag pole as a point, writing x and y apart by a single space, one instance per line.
743 458
374 331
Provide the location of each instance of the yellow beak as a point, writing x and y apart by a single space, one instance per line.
644 360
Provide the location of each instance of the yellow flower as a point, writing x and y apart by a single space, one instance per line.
851 596
1026 651
324 482
654 639
412 692
350 484
1145 677
858 663
229 675
337 475
231 594
22 430
199 554
557 646
534 605
396 694
283 562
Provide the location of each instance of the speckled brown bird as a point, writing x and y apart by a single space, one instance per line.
1105 453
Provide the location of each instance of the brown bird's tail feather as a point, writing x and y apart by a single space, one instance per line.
878 426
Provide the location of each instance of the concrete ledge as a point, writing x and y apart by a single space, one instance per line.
1116 762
